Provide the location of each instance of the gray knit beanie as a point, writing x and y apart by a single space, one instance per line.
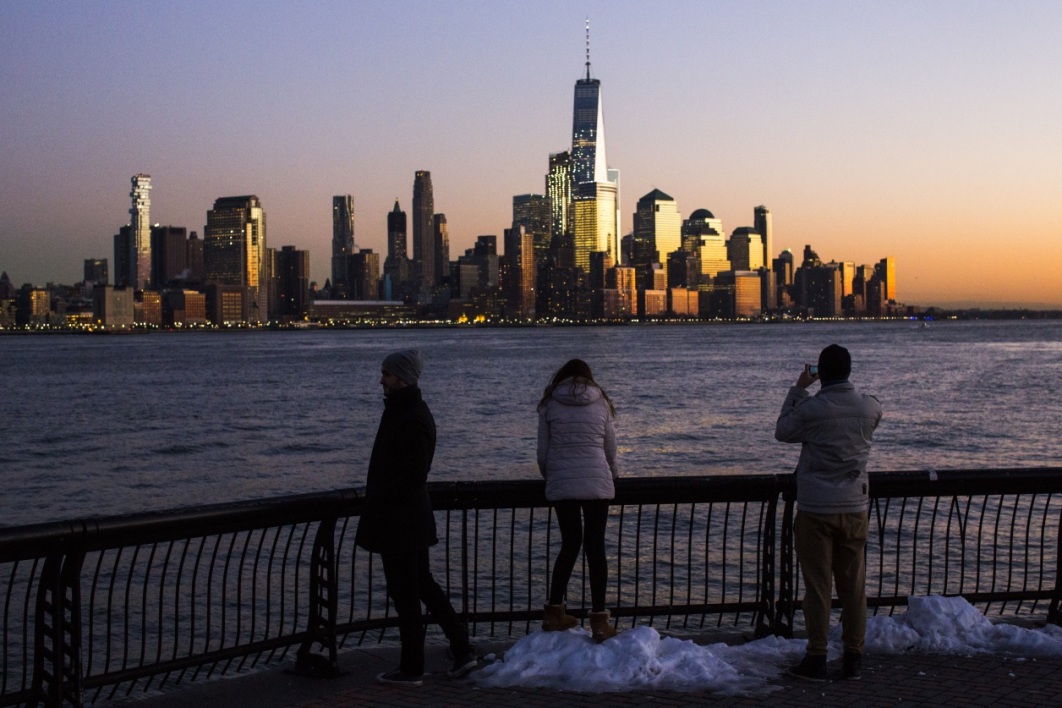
406 365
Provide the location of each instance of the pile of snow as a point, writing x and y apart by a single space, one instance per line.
640 658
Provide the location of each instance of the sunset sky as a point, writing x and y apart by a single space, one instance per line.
929 131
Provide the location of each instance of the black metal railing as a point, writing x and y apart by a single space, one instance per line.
94 608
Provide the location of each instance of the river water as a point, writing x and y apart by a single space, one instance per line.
114 424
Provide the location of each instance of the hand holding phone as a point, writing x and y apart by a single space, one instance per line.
808 376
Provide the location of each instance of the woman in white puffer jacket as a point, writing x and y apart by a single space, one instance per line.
577 457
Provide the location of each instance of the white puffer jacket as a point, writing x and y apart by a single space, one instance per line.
577 443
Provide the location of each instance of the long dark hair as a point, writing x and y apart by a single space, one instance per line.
579 372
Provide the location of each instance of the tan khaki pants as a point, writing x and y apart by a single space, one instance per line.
831 549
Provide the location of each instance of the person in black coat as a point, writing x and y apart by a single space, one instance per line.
398 523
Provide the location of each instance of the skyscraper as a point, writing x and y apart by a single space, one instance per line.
745 249
234 251
292 283
886 272
95 271
762 223
520 272
594 195
559 193
441 236
140 231
703 233
169 255
342 242
423 233
396 263
658 222
532 211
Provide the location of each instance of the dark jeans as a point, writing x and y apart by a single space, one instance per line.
587 532
410 582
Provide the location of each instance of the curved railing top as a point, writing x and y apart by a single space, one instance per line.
37 540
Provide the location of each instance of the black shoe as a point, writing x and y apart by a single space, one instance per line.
399 678
463 664
812 668
852 666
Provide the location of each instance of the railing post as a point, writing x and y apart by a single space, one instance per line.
1054 612
765 618
57 651
783 622
464 566
324 593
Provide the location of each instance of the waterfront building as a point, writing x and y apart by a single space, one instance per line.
559 196
885 270
360 311
702 233
485 251
737 294
848 271
441 236
683 269
342 242
147 308
595 197
95 272
7 289
169 255
652 303
658 224
683 302
520 272
364 275
533 213
124 251
234 253
820 287
597 281
423 236
194 258
784 272
112 307
396 264
140 231
763 226
745 249
625 280
292 268
182 308
876 294
614 179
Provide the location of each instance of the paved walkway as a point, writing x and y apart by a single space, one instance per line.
888 680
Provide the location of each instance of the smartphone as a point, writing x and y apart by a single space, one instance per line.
813 370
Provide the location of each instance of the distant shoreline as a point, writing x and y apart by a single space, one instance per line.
925 318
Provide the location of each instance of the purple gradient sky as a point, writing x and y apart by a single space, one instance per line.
928 131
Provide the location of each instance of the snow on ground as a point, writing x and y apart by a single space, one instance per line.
640 658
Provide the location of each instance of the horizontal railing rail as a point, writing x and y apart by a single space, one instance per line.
97 607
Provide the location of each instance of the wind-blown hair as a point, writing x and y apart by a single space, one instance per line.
578 371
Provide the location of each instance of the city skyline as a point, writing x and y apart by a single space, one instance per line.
925 133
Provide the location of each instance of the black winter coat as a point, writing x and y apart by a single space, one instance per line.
397 515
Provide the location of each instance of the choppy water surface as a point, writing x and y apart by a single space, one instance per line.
102 425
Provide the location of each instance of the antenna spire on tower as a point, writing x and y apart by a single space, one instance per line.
587 48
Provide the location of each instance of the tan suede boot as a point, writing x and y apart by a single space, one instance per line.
556 618
601 626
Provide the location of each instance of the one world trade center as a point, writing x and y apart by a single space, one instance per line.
595 191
